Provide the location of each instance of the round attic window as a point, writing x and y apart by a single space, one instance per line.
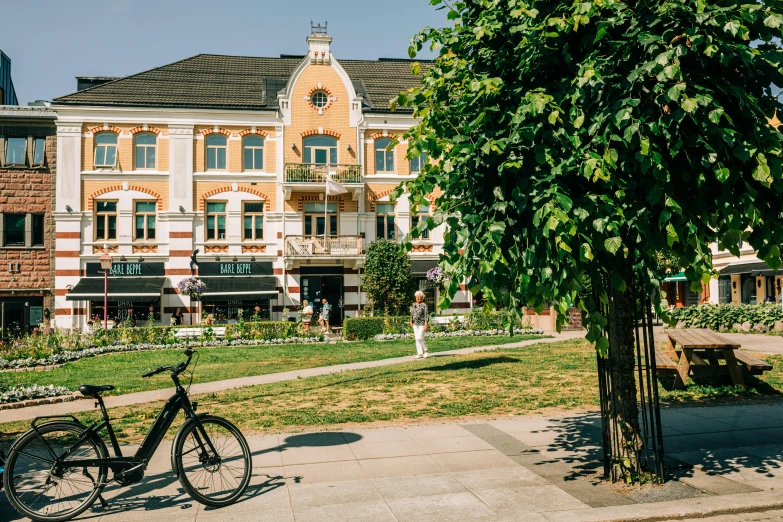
319 99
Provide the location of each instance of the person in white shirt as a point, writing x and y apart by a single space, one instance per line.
307 315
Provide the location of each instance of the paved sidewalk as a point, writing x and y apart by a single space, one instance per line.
721 460
216 386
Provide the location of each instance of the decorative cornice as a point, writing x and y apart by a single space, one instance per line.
321 131
114 188
230 188
105 128
259 132
222 131
152 130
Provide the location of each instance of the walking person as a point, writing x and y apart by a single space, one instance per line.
326 311
307 315
419 323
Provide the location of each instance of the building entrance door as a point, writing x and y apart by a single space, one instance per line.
20 315
315 288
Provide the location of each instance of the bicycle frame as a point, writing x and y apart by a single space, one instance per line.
119 463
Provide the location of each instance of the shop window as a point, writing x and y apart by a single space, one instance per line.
384 159
418 162
419 215
217 150
216 221
105 220
106 150
253 219
320 150
426 286
145 151
253 150
145 220
15 152
384 221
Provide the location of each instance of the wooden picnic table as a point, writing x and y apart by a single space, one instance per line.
701 351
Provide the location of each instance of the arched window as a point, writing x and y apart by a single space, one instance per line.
253 147
384 159
217 150
145 150
106 150
320 150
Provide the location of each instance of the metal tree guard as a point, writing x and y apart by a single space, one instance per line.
650 457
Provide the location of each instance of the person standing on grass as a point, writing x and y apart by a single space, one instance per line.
419 323
326 311
307 315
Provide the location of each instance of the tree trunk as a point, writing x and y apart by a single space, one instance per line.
624 422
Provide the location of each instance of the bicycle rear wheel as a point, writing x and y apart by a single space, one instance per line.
38 489
213 479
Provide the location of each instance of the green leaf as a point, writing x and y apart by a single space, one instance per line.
716 114
613 244
617 282
774 20
602 346
732 27
553 116
722 174
689 104
645 143
763 175
673 94
579 121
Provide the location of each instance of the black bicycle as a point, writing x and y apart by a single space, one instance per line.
58 468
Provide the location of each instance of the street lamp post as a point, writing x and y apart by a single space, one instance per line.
106 266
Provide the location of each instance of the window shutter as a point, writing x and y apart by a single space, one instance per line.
2 151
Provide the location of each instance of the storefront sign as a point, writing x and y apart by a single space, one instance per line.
127 269
235 268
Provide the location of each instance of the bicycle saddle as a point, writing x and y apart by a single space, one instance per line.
90 390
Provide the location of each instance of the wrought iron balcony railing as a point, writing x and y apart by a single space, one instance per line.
316 173
309 246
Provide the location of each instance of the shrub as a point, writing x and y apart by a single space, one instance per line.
261 330
725 316
363 327
387 278
397 324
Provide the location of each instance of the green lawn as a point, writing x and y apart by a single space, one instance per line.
548 378
124 370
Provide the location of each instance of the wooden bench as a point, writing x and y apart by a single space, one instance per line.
190 333
753 366
666 368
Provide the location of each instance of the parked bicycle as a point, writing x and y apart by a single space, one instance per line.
58 468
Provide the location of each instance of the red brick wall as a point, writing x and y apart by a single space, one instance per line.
26 190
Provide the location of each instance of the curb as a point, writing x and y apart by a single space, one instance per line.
675 509
75 396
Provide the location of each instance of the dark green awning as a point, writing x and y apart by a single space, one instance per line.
239 287
679 278
135 289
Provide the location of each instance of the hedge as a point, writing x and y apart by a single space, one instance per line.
261 330
362 327
725 316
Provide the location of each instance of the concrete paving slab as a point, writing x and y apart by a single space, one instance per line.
436 431
453 444
324 472
499 478
400 466
376 511
735 439
327 493
440 508
522 500
308 455
261 515
749 421
376 450
418 486
473 460
382 435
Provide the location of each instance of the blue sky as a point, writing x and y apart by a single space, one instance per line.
52 41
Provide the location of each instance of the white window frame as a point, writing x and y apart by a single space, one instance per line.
378 149
253 148
207 146
146 215
253 216
216 215
105 216
105 165
145 146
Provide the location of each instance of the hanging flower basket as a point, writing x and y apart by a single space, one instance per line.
192 287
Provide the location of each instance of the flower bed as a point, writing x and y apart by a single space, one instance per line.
36 391
460 333
67 356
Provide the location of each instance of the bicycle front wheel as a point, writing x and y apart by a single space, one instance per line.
213 478
41 485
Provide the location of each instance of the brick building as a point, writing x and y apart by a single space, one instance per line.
27 163
229 156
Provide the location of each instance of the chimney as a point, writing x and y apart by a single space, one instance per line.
319 44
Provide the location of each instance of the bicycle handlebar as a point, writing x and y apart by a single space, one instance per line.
175 370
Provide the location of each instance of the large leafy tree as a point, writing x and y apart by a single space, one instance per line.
387 278
578 142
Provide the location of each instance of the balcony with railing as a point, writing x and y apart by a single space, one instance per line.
311 177
320 246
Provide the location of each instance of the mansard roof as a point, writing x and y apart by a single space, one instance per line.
237 82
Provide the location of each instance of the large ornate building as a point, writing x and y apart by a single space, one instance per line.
229 156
